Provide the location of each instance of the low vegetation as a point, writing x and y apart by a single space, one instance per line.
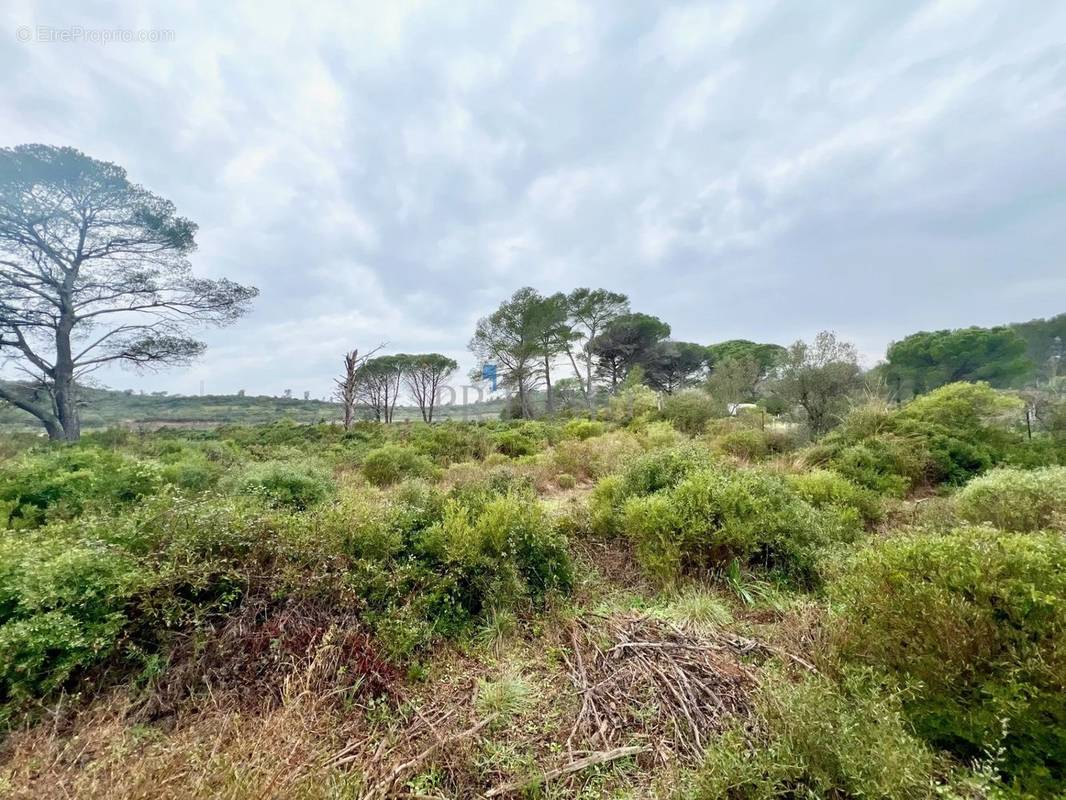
659 601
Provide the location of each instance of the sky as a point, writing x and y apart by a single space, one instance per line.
389 172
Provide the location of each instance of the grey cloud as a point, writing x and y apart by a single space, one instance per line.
389 172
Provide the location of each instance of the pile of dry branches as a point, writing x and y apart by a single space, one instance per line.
646 680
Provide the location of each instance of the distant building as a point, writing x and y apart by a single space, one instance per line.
736 408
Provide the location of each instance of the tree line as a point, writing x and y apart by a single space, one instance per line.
376 382
588 343
601 343
94 270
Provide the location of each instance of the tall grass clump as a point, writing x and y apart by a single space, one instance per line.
814 739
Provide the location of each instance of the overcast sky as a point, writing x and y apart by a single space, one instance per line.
390 171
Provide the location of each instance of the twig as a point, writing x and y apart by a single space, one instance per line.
602 757
386 788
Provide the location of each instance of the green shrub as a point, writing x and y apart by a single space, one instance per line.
392 463
632 404
450 442
690 410
583 429
471 560
974 622
605 504
62 608
814 740
487 484
748 444
648 473
781 438
61 483
295 485
662 469
714 516
514 443
565 480
886 463
946 436
822 488
1016 500
658 435
427 564
594 458
193 471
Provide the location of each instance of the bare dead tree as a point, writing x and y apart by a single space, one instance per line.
94 270
347 385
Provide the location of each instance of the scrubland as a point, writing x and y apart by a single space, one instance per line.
654 603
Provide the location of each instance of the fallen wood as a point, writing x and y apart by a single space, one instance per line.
655 683
387 787
574 766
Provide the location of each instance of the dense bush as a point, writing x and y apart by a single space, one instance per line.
426 563
946 436
77 594
62 603
813 739
63 482
449 442
418 564
631 404
748 444
583 429
295 485
193 470
690 410
713 516
662 469
974 623
822 487
1016 500
596 457
650 472
392 463
521 440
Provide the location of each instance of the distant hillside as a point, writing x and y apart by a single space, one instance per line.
105 408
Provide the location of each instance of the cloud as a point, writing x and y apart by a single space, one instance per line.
390 172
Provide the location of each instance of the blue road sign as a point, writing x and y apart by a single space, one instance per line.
488 373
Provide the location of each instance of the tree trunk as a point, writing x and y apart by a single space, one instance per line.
588 371
63 390
548 401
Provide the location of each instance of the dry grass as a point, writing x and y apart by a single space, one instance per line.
219 750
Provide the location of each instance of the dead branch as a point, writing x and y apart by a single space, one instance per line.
668 686
574 766
387 787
